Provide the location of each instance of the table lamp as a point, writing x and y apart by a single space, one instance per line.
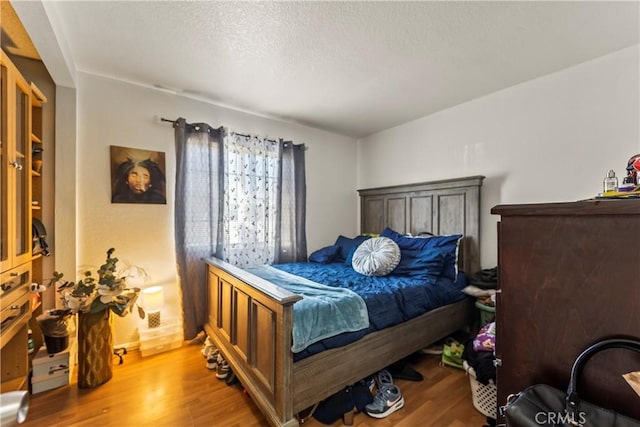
153 299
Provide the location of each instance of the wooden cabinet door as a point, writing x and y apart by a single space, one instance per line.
15 246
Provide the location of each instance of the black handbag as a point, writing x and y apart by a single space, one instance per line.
545 405
39 235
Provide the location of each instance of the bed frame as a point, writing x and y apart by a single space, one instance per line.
251 320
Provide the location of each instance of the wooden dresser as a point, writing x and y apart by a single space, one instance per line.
569 275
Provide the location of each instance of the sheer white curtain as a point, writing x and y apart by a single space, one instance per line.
240 198
251 200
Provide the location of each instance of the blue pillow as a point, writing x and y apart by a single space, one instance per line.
448 244
349 260
420 263
325 255
346 244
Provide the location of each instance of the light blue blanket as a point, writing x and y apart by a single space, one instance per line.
323 311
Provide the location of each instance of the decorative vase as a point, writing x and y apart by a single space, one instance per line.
95 348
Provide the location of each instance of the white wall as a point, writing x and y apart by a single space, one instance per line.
548 140
65 240
116 113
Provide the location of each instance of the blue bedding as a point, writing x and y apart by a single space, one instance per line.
390 300
323 311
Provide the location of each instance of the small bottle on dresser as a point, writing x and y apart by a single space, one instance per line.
610 182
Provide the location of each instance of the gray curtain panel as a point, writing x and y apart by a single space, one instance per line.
239 198
197 215
292 237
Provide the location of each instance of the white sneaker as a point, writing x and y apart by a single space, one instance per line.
435 349
212 359
207 348
223 368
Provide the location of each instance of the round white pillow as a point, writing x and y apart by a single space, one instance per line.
376 257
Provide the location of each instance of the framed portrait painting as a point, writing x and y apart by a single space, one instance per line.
137 176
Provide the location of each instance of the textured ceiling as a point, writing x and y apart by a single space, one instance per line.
353 68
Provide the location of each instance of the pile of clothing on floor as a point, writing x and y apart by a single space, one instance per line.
480 353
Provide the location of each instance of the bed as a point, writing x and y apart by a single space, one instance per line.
251 319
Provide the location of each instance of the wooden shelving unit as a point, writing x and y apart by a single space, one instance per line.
21 186
37 146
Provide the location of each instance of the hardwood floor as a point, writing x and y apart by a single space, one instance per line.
176 389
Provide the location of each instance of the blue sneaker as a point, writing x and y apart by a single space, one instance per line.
370 383
383 378
386 402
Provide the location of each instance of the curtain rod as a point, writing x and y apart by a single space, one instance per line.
209 128
162 119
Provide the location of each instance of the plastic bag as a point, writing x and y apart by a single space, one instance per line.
452 354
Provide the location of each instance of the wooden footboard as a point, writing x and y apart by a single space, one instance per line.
251 322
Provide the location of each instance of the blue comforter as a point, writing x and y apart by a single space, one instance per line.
390 300
323 311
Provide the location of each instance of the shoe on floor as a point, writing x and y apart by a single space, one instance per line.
210 352
223 368
212 359
435 349
370 383
207 348
402 371
388 399
383 378
231 378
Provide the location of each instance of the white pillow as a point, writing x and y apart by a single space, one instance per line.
376 257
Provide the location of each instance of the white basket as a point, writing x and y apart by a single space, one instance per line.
484 396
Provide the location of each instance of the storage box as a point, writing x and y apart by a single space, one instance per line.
53 370
167 336
48 382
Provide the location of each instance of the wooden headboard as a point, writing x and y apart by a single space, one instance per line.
450 206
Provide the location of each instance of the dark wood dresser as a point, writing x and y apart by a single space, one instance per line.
569 275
